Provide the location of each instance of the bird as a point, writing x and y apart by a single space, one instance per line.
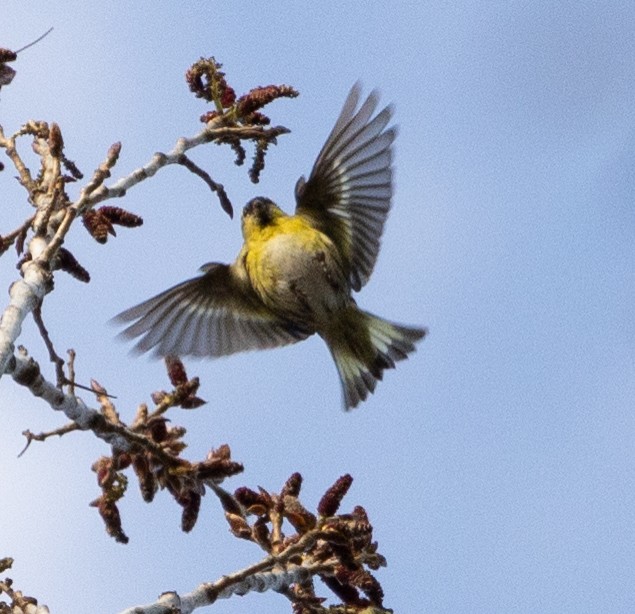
295 275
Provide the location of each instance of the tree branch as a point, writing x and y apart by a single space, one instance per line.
259 577
213 132
35 284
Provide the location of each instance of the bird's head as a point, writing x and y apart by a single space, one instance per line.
258 213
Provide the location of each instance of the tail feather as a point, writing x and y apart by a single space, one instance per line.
363 346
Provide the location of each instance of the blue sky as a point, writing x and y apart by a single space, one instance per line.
497 465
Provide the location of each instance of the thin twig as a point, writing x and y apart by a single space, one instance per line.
62 430
25 175
271 573
71 371
10 238
107 408
37 40
214 186
53 355
26 372
97 180
212 132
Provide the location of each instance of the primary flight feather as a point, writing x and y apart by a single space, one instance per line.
295 274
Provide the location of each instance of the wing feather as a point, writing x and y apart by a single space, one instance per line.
348 193
215 314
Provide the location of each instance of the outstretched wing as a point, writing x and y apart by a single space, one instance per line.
215 314
348 193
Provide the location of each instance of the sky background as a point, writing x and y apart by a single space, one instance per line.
498 464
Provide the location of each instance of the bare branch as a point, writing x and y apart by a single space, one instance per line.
25 294
214 186
37 40
29 291
16 236
214 131
26 372
53 355
62 430
259 577
99 176
8 143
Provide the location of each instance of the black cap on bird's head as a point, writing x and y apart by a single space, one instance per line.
262 210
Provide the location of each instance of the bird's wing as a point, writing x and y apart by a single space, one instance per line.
215 314
347 195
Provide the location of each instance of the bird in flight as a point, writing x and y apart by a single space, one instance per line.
295 274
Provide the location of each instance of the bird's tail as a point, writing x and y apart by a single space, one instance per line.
363 346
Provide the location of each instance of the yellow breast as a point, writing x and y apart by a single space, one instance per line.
294 268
